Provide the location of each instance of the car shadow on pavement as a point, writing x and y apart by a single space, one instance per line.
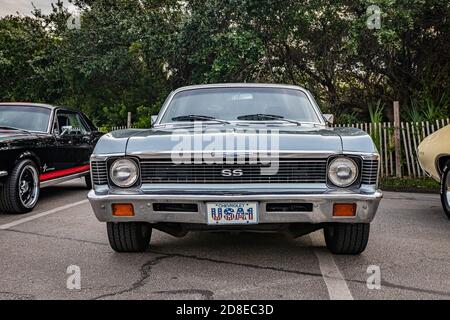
62 191
54 196
232 244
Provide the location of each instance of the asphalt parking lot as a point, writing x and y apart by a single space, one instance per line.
409 243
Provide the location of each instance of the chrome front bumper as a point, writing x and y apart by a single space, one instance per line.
367 205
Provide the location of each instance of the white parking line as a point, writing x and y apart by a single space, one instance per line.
40 215
336 285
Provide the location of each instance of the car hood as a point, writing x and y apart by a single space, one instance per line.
13 135
283 138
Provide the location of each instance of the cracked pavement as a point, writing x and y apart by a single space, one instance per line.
409 241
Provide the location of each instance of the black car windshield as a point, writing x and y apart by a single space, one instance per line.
25 117
241 104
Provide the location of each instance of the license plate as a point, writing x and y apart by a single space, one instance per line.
232 213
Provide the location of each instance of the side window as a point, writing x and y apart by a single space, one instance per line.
70 123
89 123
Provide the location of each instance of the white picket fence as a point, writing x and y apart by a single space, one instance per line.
411 135
123 128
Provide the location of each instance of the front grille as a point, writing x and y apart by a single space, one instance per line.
370 172
290 171
99 173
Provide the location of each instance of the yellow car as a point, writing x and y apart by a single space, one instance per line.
434 158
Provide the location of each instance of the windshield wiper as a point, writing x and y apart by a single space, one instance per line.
13 128
194 117
263 116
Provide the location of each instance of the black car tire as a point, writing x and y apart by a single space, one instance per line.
445 185
20 192
129 236
347 238
88 181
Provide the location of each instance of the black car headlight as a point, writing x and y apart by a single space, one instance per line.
342 172
124 173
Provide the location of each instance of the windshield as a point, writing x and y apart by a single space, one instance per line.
25 117
239 104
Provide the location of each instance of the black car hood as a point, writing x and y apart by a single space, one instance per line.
13 135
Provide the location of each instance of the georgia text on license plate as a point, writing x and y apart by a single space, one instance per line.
232 213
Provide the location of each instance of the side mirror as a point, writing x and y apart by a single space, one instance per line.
329 118
65 130
153 120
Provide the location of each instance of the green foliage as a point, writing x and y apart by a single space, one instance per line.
115 114
347 118
144 115
414 114
241 51
128 54
428 108
376 112
24 47
376 117
435 110
409 185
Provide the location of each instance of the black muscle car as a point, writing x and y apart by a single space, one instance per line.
41 145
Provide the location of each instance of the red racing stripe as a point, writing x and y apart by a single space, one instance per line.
63 173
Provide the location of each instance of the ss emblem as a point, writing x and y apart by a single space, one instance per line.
232 173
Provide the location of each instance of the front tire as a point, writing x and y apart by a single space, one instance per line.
20 192
129 236
445 189
347 238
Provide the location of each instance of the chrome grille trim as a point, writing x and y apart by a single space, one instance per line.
370 172
99 173
290 171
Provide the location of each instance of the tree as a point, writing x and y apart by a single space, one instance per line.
128 55
24 46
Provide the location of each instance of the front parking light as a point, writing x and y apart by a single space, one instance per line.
123 210
344 210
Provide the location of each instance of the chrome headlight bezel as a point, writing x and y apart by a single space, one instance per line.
115 165
343 162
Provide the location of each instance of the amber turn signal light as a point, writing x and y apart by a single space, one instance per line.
344 210
123 210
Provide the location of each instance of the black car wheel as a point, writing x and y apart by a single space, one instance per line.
129 236
20 192
347 238
445 189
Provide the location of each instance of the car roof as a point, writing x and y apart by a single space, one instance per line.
38 105
28 104
240 85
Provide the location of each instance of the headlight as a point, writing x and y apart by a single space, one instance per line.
342 172
124 173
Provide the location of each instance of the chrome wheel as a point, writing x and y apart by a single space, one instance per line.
447 189
28 186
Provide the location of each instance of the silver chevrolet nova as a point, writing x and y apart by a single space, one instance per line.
237 157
